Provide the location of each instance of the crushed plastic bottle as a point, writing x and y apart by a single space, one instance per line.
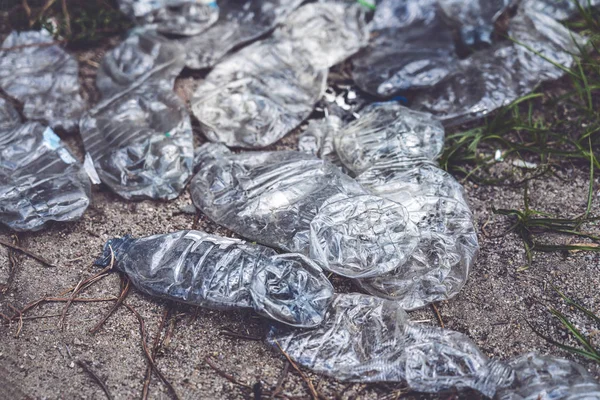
40 180
223 273
474 18
173 17
140 136
368 339
411 47
42 75
298 203
388 133
543 377
258 95
239 23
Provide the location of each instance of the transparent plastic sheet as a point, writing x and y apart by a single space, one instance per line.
298 203
492 78
259 94
239 22
42 76
223 273
329 31
440 265
368 339
173 17
40 180
559 9
545 377
388 133
318 138
474 18
411 47
140 138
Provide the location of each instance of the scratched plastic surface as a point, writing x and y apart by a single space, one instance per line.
140 136
40 180
174 17
474 18
388 133
411 47
298 203
368 339
42 77
258 95
223 273
239 23
549 378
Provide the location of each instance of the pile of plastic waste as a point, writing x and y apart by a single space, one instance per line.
362 198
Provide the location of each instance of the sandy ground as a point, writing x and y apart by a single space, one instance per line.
40 359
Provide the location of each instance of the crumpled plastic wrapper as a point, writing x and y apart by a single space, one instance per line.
44 77
559 9
545 377
367 339
318 138
239 22
440 265
411 47
474 18
223 273
173 17
40 180
258 95
330 31
140 136
298 203
388 133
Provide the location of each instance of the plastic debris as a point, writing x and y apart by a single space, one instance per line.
140 136
559 9
388 133
474 18
318 138
411 47
40 180
367 339
298 203
175 17
41 75
259 94
223 273
544 377
239 22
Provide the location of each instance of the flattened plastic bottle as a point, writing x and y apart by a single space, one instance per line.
42 77
174 17
411 47
545 377
298 203
239 23
40 180
388 133
474 18
258 95
368 339
140 136
223 273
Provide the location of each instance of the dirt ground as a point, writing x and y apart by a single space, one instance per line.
40 358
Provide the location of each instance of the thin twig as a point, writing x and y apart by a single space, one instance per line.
65 11
45 8
120 300
66 307
20 314
27 252
225 331
311 388
27 9
13 265
148 376
225 375
90 372
437 313
279 386
148 354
